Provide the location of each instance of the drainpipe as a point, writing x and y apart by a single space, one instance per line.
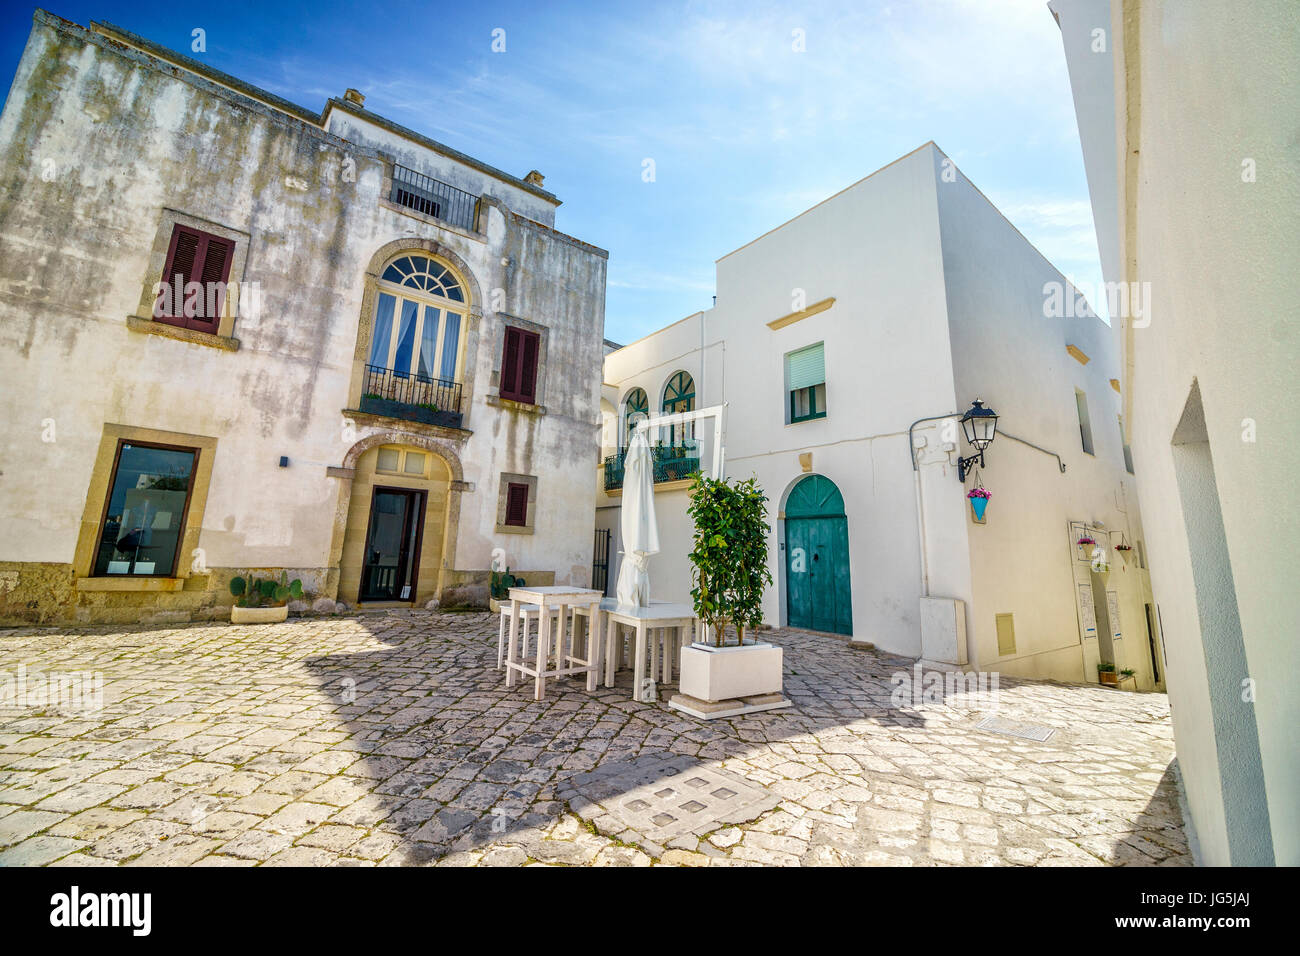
920 506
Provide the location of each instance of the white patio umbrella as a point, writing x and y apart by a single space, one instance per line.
637 524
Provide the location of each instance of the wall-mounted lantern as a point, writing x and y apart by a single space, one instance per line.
980 424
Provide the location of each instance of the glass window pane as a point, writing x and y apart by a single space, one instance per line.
405 339
388 459
450 346
428 343
146 511
414 463
383 330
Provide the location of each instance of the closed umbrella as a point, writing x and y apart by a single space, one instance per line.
637 524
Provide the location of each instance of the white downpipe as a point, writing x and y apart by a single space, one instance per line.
920 527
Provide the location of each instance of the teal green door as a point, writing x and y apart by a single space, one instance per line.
818 590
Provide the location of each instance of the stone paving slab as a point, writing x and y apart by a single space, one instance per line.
390 739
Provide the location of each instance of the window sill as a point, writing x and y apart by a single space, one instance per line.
224 342
809 418
126 582
431 220
499 402
398 425
514 529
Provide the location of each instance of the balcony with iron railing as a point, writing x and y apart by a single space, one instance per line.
411 397
434 198
671 463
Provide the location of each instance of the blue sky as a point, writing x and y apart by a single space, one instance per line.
745 131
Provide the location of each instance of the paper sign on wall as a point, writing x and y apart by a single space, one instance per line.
1112 609
1087 615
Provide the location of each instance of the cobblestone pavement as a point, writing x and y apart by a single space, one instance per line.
390 739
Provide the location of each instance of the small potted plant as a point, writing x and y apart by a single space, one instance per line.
502 582
979 501
1099 563
263 601
1128 674
1106 672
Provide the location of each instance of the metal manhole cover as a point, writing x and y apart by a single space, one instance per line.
1014 728
664 796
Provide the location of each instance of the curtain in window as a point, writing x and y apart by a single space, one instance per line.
383 330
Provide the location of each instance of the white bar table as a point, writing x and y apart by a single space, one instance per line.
547 598
642 620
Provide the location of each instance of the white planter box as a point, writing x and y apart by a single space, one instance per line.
258 615
723 673
726 681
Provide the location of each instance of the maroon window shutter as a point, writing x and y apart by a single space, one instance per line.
516 504
196 256
528 367
214 269
510 365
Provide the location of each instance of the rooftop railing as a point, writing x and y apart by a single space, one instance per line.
434 198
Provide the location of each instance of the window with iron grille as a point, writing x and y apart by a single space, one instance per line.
194 256
519 365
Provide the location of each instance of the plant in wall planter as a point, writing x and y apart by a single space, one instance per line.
263 601
979 501
1106 673
501 583
1086 540
729 572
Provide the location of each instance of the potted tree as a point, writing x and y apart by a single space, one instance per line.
729 571
263 601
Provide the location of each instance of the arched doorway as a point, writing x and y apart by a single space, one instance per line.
397 519
818 589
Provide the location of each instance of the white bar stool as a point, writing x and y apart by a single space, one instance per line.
527 612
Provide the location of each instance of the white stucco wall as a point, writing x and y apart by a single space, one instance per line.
1205 92
1006 351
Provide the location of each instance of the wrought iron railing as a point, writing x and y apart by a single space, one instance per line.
671 463
414 397
434 198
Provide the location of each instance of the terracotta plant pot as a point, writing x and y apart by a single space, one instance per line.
258 615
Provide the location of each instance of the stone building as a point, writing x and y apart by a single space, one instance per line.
845 344
239 335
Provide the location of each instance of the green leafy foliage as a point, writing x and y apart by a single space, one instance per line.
265 592
729 554
502 582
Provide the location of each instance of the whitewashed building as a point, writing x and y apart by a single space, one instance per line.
1187 116
845 344
378 387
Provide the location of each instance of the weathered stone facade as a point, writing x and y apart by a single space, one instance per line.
108 144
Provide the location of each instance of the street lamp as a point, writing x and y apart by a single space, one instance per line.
979 424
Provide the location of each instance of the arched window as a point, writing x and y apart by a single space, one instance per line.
635 408
679 396
418 319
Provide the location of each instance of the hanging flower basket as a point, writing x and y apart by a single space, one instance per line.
979 502
1085 540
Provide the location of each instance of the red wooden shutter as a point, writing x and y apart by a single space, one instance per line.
528 367
516 504
196 256
510 365
215 269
